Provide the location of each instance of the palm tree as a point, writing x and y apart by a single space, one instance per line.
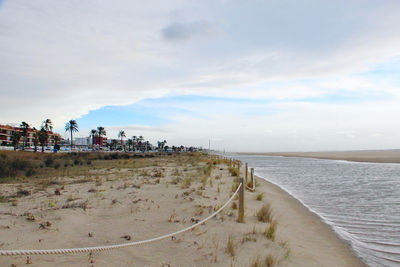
47 124
134 142
147 144
101 131
130 143
24 126
121 134
71 126
93 133
43 137
15 139
113 144
161 144
35 138
140 142
56 140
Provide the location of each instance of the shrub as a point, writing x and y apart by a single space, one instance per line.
234 171
125 156
114 155
57 165
48 162
9 167
30 172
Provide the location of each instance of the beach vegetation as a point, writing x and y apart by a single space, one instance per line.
271 230
186 182
257 262
231 246
269 261
264 214
234 171
3 199
260 196
234 205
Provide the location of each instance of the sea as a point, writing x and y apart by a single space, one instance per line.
360 201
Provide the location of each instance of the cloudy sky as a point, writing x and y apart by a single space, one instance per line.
248 75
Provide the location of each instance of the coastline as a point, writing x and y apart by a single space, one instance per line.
376 156
145 198
299 225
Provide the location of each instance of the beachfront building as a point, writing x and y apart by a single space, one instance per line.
6 132
100 141
81 141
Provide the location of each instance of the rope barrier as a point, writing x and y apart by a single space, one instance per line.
109 247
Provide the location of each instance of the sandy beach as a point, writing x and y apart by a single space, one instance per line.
379 156
137 199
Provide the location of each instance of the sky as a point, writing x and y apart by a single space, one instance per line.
271 75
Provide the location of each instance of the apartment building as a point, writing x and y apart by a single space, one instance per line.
6 132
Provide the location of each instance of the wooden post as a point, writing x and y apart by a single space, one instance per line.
247 170
241 202
252 177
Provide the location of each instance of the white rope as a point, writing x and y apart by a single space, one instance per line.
101 248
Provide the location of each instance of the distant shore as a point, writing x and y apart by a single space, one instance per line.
378 156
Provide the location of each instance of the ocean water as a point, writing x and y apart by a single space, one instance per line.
360 201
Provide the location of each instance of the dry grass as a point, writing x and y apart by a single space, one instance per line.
231 246
271 230
264 214
234 205
186 182
269 261
234 171
260 196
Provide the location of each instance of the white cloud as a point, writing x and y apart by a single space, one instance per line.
60 60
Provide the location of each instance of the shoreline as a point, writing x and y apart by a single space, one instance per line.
299 225
344 246
371 156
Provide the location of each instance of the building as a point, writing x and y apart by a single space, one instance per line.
6 132
100 141
81 141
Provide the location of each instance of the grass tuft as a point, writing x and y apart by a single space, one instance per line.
265 214
271 230
260 196
234 171
231 246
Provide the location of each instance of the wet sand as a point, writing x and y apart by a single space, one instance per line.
379 156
